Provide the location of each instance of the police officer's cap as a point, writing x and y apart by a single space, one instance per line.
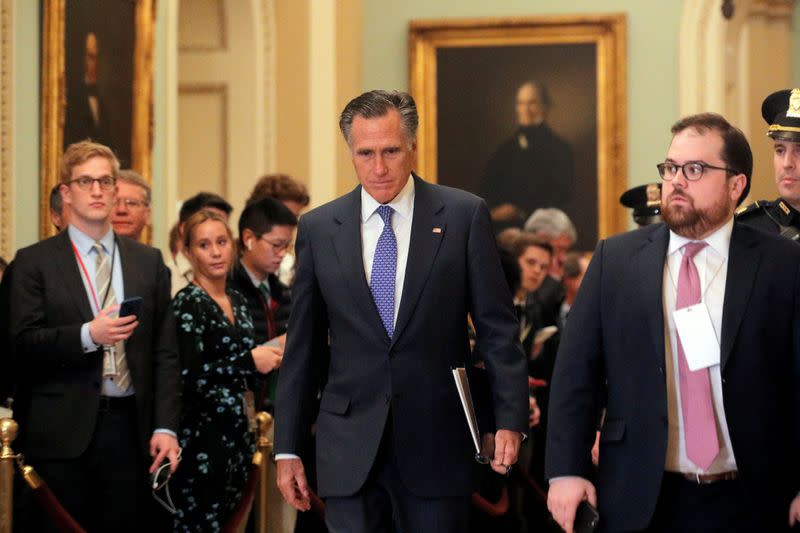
645 200
781 110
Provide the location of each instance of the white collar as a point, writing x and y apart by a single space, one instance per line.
719 241
402 204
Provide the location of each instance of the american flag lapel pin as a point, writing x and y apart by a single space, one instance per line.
437 230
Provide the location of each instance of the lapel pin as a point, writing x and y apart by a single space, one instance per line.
437 230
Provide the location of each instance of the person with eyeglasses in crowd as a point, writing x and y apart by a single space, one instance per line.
219 361
131 213
98 394
266 228
691 327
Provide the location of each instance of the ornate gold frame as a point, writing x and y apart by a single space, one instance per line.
607 32
54 99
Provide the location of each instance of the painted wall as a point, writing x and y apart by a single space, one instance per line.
652 57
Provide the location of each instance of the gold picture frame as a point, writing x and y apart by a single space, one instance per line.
123 33
480 61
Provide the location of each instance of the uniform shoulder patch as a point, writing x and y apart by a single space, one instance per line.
755 207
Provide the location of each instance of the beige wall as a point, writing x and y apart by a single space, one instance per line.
292 88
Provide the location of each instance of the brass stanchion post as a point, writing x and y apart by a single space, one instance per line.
261 460
8 432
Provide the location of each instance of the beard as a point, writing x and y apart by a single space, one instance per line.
692 223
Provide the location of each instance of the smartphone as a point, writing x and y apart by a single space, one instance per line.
130 306
586 518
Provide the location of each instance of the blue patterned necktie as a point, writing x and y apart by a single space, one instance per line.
384 267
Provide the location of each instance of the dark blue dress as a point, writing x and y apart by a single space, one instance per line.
216 366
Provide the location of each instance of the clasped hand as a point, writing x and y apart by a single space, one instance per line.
108 329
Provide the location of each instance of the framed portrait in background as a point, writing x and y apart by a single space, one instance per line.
527 113
97 71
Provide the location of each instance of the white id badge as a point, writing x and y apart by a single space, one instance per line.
697 336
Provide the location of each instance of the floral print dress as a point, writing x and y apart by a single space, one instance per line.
216 365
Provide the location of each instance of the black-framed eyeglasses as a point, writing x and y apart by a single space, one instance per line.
692 171
85 183
277 246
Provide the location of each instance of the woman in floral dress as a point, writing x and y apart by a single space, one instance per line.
218 361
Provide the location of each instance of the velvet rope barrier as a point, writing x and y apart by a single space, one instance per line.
49 503
498 508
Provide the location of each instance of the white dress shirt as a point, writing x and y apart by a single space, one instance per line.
712 267
372 226
85 247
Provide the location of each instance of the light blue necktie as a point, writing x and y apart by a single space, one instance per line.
384 267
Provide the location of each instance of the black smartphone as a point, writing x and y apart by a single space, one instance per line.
586 518
130 306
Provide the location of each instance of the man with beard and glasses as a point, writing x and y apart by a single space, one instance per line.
781 110
690 325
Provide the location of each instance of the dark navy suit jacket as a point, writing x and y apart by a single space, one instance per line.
452 271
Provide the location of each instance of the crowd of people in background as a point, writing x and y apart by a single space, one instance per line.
181 382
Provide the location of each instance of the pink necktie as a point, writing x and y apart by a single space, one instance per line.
699 422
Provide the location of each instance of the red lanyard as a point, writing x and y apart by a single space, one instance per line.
88 279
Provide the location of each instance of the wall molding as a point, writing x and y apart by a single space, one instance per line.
6 128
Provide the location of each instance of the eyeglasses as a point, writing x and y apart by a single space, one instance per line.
692 171
130 203
85 183
277 246
160 479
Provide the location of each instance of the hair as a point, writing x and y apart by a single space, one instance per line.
281 187
262 215
201 201
56 203
174 238
572 265
134 178
80 152
507 238
527 240
544 94
3 265
378 103
736 152
204 215
551 222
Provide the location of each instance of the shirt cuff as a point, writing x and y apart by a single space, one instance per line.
86 340
281 456
559 478
167 431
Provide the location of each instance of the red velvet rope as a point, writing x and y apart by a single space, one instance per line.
498 508
240 513
60 517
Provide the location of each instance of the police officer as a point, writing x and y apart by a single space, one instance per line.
781 110
645 200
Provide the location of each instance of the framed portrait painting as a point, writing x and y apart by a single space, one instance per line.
527 113
97 73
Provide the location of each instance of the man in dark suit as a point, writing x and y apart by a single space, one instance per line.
101 391
385 304
692 324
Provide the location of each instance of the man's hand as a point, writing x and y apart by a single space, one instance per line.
267 358
794 511
564 496
506 450
292 483
164 445
107 329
